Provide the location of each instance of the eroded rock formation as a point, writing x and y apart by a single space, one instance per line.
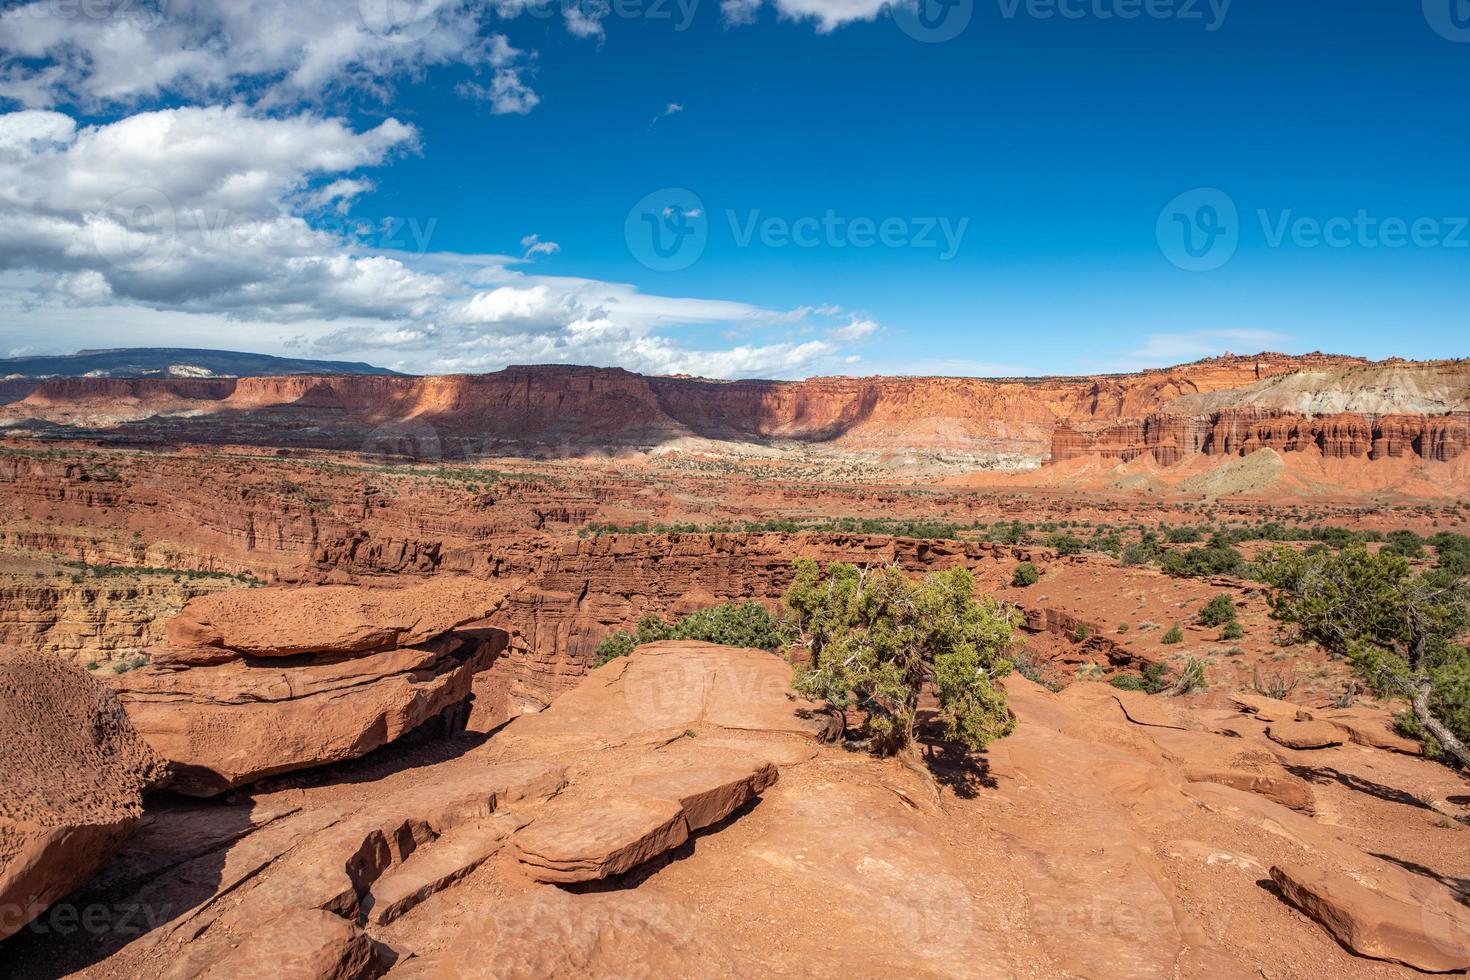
72 776
263 681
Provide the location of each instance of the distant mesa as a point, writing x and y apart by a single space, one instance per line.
171 362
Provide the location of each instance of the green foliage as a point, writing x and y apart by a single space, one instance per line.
1066 544
1028 666
876 638
1232 630
1218 611
1405 543
1145 551
1013 533
1398 628
1150 681
1122 628
1025 575
1453 551
745 625
1215 558
1173 636
878 526
1184 535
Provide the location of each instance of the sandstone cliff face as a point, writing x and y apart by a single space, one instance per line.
94 621
1239 432
573 409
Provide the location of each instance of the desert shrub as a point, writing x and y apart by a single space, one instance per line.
1066 544
1145 551
1029 666
1232 630
1191 678
747 624
1174 635
1013 533
1405 543
876 637
1150 680
1184 535
1090 672
1453 552
1025 575
1081 634
1276 684
1215 558
1122 628
1218 611
1399 629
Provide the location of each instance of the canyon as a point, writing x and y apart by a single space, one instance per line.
1334 406
355 622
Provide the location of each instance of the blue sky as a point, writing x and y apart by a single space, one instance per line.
1036 175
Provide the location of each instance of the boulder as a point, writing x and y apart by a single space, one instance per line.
256 682
1426 932
1372 727
72 776
311 945
708 789
1270 710
590 839
334 618
627 934
1306 734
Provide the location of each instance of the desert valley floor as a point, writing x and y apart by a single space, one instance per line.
298 678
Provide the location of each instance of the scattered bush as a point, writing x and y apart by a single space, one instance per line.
876 638
1232 631
1191 678
1122 628
1275 684
1215 558
1399 629
1175 635
1025 575
1066 544
1218 611
745 625
1149 681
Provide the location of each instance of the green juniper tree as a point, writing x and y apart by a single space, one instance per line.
876 638
1399 629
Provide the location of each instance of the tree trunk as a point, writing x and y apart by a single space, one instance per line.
1419 697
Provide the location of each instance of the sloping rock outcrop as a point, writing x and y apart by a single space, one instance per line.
72 775
265 681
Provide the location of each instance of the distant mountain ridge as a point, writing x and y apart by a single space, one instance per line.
174 362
